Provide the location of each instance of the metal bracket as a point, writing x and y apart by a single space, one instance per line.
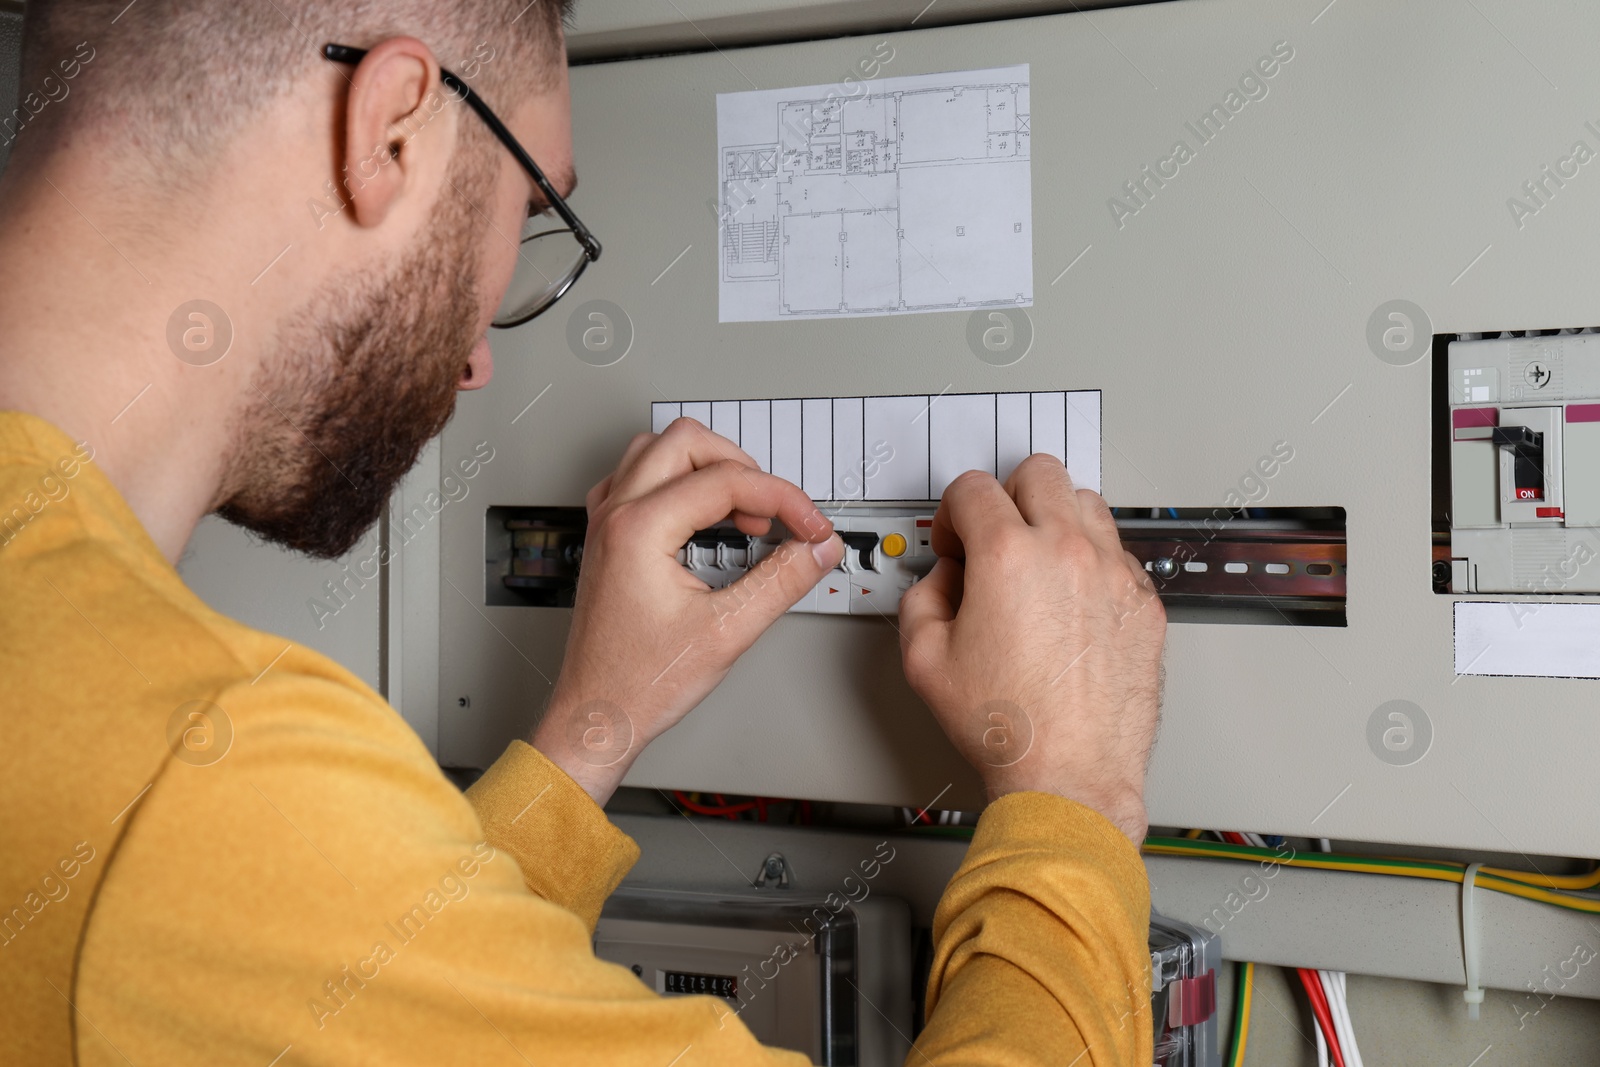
774 872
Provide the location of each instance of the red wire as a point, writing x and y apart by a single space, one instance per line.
761 808
729 810
922 817
1319 1008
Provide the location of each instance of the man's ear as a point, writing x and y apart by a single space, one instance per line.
395 94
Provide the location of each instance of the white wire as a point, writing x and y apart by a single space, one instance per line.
1322 1044
1333 986
1344 1004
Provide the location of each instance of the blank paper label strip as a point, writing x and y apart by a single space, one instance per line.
1528 639
903 447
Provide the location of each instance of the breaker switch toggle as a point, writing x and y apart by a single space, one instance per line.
865 547
1527 459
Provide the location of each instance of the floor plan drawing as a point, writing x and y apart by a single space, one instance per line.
898 196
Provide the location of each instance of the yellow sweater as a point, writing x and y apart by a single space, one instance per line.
219 848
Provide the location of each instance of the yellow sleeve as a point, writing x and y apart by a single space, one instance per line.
324 895
531 810
1041 944
321 895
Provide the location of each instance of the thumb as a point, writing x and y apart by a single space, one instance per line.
748 606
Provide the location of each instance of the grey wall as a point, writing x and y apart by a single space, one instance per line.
276 590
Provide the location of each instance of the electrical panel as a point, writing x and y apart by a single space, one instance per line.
1269 433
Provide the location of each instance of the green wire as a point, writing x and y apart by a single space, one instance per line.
1355 863
1246 975
1573 900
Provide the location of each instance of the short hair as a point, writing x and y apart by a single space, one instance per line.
180 77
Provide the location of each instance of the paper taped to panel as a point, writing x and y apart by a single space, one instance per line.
880 448
1527 639
902 195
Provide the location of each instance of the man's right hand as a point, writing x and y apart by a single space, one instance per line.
1036 640
649 640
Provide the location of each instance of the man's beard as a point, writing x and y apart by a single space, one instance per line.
360 381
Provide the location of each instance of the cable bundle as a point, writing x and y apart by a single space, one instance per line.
1336 1037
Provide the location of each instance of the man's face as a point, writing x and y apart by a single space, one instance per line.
360 379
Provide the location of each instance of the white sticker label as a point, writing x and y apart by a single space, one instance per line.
1528 639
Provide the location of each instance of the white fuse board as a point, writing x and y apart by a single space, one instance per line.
880 448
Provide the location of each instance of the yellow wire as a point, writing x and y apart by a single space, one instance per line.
1496 880
1553 881
1246 991
1586 880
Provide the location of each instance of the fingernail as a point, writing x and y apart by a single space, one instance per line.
828 553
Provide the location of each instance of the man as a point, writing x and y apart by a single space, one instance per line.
322 895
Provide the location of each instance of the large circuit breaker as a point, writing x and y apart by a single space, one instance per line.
1525 463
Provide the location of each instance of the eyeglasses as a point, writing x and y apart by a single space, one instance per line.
547 264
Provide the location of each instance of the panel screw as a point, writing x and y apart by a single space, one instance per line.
774 872
1165 567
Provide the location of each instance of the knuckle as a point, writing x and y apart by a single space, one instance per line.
618 524
1093 503
918 666
1042 463
1095 510
1009 544
1078 549
968 481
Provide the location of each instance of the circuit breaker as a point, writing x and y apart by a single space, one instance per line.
1524 424
886 550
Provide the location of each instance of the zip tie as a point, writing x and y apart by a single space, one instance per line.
1473 994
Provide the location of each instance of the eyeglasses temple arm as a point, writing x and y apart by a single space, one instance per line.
339 53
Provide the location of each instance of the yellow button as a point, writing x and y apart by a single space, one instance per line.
894 546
